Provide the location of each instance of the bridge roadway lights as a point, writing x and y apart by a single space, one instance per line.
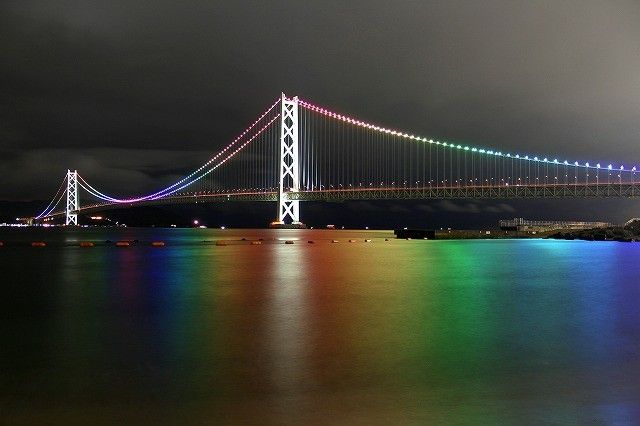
282 225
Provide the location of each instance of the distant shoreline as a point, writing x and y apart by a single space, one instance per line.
627 233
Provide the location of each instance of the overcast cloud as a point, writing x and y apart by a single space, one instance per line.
135 93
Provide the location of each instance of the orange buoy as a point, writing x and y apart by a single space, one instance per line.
38 244
123 244
221 243
157 244
288 242
86 244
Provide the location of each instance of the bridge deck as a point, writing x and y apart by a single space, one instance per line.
495 192
476 192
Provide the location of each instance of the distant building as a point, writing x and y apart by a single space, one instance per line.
520 224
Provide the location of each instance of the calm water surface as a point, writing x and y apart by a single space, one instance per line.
517 331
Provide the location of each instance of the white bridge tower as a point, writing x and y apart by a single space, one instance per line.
73 201
288 210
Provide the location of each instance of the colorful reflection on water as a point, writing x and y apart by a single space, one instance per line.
412 331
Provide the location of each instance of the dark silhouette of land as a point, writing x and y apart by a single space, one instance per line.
628 233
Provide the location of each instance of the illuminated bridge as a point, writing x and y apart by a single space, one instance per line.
297 151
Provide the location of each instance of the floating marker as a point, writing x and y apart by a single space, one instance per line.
157 244
38 244
86 244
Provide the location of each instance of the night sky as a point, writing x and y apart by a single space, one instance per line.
135 93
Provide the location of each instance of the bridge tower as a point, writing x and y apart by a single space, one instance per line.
73 201
288 210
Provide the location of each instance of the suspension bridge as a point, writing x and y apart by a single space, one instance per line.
297 151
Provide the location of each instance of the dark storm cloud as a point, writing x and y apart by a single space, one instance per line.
84 78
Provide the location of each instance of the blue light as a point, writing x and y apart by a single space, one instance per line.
610 167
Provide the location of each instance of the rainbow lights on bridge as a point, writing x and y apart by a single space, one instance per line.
304 152
404 135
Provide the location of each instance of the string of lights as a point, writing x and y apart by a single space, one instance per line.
177 187
51 206
453 146
168 190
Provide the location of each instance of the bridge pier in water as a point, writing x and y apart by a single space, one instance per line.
73 200
289 170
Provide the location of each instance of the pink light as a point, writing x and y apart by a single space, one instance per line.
162 192
226 159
